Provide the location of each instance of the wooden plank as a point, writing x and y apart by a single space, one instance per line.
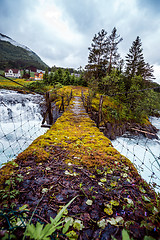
46 125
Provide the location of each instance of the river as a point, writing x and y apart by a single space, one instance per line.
143 152
20 122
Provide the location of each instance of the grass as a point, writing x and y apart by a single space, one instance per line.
4 83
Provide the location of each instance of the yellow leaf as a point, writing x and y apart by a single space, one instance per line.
114 203
108 210
113 184
103 180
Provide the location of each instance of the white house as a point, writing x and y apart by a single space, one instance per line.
14 73
40 71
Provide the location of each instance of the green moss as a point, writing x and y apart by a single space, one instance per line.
78 135
6 171
33 152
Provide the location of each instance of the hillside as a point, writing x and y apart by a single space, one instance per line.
15 55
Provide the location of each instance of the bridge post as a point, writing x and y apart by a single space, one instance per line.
99 118
49 108
88 103
62 105
83 98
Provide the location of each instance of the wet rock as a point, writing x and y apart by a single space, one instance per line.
95 214
108 232
26 183
96 234
85 217
59 198
52 214
136 231
30 196
75 209
113 130
84 206
87 234
41 181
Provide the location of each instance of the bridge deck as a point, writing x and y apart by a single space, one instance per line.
74 158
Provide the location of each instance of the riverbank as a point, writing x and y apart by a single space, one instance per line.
23 85
75 159
114 130
116 120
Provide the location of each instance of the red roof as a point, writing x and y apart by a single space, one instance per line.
37 74
14 70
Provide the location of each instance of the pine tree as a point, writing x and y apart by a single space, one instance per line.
60 75
148 73
51 79
114 56
103 55
72 79
135 63
67 77
97 59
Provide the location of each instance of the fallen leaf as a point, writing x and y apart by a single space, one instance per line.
113 184
114 203
103 180
89 202
101 223
118 221
44 190
48 168
78 225
130 201
108 210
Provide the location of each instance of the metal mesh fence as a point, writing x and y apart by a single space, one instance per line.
144 153
20 124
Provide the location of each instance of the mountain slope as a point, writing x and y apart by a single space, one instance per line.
15 55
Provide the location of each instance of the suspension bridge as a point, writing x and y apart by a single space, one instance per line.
74 158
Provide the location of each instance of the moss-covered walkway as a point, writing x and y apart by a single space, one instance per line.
73 159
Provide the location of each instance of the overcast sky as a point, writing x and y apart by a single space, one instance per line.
60 31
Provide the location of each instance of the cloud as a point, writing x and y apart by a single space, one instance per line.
61 31
82 13
157 72
151 5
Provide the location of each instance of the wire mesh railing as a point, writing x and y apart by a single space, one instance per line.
21 119
20 123
143 152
